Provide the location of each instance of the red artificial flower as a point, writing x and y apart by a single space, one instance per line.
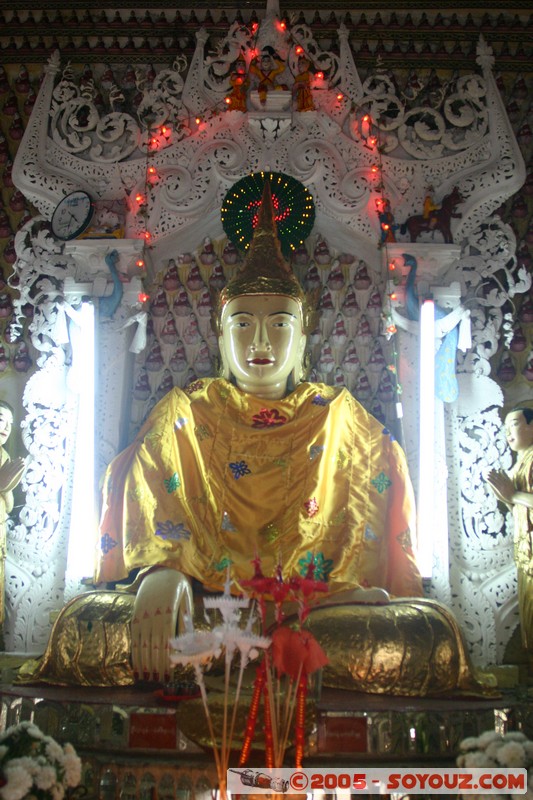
296 652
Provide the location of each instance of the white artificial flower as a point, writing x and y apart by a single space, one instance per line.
493 748
33 730
72 765
45 777
528 749
515 736
19 782
470 743
511 754
477 758
488 737
53 750
43 769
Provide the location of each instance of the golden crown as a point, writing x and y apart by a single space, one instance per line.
265 270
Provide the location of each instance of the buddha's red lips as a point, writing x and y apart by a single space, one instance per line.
261 361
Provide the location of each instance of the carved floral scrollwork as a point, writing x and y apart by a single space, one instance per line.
79 126
436 122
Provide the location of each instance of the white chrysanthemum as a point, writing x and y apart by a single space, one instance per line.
515 736
45 777
34 731
493 748
72 765
53 750
528 749
477 758
488 737
19 782
511 754
470 743
27 763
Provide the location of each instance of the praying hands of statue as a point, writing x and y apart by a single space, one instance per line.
505 490
11 473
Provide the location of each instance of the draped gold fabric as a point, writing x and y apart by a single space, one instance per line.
217 476
522 476
6 505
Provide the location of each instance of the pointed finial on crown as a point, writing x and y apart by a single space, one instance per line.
265 270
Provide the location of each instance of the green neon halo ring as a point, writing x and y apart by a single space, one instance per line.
293 204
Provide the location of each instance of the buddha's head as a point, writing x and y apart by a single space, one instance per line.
263 316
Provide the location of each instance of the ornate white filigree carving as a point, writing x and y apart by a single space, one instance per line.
38 543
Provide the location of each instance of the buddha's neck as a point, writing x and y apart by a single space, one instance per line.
276 392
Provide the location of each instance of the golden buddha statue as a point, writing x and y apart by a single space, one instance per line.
261 463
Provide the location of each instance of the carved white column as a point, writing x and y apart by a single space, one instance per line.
37 546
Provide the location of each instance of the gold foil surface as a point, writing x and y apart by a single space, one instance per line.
410 647
90 644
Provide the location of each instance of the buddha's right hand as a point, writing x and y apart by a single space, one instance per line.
163 596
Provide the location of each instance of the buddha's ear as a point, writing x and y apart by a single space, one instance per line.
298 374
223 367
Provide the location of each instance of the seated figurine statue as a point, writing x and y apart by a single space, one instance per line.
260 463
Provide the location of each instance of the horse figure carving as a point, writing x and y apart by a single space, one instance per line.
438 220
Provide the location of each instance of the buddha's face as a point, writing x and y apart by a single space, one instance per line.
262 341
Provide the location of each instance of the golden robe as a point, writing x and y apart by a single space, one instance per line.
217 476
522 477
6 505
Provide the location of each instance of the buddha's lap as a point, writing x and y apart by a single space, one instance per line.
409 646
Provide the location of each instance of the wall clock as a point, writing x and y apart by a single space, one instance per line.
72 215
